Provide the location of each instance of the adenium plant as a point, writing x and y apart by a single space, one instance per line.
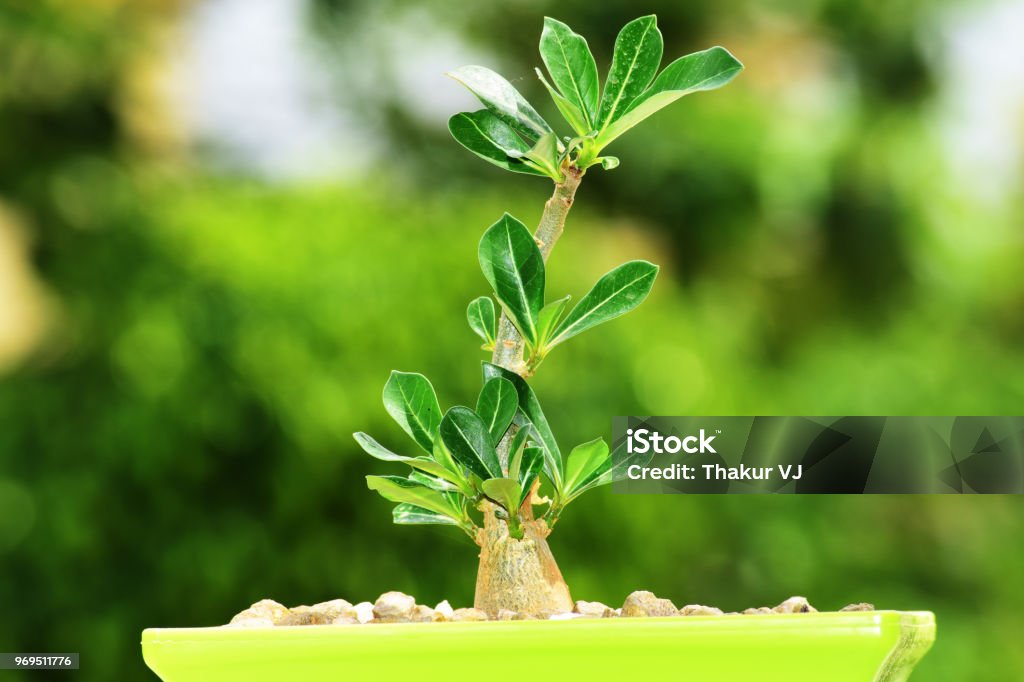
495 469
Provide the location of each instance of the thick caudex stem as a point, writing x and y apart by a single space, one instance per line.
522 575
518 575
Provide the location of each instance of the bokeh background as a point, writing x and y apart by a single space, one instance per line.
223 223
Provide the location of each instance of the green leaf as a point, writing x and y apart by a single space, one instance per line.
570 112
516 450
467 438
636 58
498 95
548 318
586 463
622 459
529 408
487 136
614 468
514 267
695 72
608 162
544 154
425 464
572 67
444 457
529 470
410 515
615 294
497 406
410 400
505 492
483 319
398 489
375 449
433 482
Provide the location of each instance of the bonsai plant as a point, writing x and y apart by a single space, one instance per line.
495 470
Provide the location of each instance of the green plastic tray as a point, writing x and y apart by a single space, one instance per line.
838 647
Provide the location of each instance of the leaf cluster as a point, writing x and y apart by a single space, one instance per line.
509 133
514 267
458 465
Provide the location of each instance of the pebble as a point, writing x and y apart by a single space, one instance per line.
364 611
795 605
593 609
251 623
862 606
565 616
265 609
505 614
760 610
642 603
422 614
699 610
443 611
393 607
468 615
302 615
335 611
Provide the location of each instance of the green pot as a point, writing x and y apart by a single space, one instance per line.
838 647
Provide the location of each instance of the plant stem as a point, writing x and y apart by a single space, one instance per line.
508 347
521 574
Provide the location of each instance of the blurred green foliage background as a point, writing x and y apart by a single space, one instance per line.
186 345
